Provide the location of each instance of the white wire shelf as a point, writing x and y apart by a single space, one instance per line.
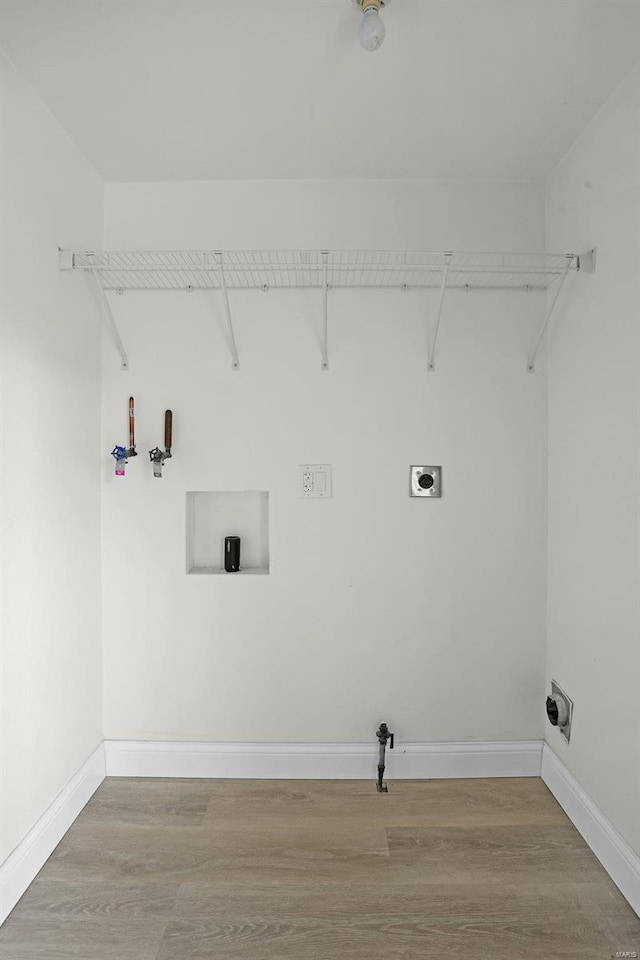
321 270
291 269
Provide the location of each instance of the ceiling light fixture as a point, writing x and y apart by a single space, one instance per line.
371 32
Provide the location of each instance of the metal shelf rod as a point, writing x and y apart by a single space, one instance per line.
203 258
334 268
404 287
384 267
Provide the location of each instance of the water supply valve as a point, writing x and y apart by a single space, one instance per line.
158 456
119 454
384 735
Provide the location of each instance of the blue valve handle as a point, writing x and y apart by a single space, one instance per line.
119 453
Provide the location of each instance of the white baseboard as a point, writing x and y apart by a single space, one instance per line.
153 758
618 859
357 760
322 761
21 866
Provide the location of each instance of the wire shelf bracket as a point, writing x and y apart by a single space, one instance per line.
431 359
324 363
585 263
235 361
531 362
108 320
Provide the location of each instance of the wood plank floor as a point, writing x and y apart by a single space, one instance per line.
321 870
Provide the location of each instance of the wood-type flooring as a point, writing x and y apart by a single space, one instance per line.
321 870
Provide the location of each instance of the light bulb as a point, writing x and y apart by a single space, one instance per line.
371 32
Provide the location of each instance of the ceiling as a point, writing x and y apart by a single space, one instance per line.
280 89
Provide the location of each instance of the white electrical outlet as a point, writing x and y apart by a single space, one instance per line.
315 480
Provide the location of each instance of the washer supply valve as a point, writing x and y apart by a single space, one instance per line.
383 734
119 454
158 456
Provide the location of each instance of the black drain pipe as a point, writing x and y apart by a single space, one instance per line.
383 734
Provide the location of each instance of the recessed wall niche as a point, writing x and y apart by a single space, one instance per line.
213 515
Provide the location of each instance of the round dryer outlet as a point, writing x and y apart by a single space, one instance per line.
425 481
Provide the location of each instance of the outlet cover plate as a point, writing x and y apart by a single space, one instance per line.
566 730
315 481
430 486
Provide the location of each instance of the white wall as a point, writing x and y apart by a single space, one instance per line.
430 615
49 534
593 197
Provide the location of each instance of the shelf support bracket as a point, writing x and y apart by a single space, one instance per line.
109 321
324 364
586 262
531 362
235 361
65 259
431 365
